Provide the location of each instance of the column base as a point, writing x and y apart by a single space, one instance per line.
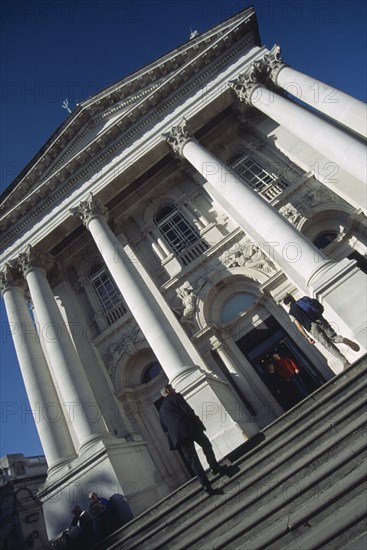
93 440
227 422
112 467
59 465
343 290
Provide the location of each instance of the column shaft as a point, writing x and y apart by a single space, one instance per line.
72 311
50 422
341 107
156 248
67 368
156 320
346 151
275 235
186 208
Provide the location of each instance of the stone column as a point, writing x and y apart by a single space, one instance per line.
74 314
210 397
156 320
256 409
156 248
161 243
295 254
346 151
44 401
341 107
342 284
186 208
67 368
202 219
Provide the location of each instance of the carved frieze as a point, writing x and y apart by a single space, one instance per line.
127 345
249 255
291 214
140 90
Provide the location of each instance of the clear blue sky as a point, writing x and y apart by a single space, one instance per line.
52 50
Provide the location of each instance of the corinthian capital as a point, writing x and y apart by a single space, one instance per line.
32 258
270 65
89 209
245 85
177 137
10 276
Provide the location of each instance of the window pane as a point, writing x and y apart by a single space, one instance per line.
237 304
251 171
177 231
105 288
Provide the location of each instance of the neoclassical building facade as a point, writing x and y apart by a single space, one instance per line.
153 238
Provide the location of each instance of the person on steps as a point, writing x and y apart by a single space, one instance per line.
306 313
184 428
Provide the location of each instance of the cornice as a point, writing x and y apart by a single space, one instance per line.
115 110
40 199
175 66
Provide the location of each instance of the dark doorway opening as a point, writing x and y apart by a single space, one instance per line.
259 345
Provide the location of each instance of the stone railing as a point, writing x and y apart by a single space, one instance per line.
273 189
115 314
194 252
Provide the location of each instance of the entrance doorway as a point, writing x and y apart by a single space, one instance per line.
259 345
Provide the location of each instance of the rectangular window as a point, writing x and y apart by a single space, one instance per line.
264 182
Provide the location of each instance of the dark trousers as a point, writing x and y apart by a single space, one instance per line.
189 452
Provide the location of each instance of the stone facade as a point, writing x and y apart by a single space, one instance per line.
155 236
22 523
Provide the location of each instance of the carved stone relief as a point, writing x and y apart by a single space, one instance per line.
127 345
248 255
290 213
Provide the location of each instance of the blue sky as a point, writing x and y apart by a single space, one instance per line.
52 50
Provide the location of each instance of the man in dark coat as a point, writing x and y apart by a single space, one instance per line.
184 428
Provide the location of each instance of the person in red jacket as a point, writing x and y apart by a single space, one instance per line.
287 369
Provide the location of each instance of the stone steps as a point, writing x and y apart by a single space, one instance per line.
305 470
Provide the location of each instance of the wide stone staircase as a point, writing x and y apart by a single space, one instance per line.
298 485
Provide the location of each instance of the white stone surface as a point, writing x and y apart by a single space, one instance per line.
341 107
44 402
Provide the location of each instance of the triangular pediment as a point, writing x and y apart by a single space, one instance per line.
103 117
97 125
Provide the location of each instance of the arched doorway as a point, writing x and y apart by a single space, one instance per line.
258 346
250 327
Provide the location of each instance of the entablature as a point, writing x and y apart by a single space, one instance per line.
121 161
176 67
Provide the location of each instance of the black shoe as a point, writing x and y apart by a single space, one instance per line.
217 469
208 489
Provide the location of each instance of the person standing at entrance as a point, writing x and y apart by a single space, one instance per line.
288 370
184 428
306 313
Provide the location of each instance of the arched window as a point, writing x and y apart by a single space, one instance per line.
176 229
104 286
324 239
236 304
150 372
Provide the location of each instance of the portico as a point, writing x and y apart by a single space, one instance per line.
147 256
